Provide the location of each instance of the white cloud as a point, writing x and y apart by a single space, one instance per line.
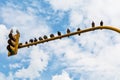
4 77
106 10
29 24
75 18
15 65
3 38
102 65
63 76
38 63
65 5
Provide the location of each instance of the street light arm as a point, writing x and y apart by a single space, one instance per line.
103 27
70 34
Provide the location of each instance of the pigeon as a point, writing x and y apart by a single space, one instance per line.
11 35
35 40
59 33
101 23
51 35
26 42
31 40
17 32
68 30
20 43
78 30
40 38
45 37
11 31
93 24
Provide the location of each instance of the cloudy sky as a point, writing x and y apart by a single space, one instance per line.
91 56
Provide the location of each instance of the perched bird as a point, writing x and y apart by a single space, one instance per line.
93 24
40 38
68 30
11 35
101 23
51 35
78 29
35 40
59 33
17 32
45 37
20 43
26 42
31 40
11 31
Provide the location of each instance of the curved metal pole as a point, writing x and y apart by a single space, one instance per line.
70 34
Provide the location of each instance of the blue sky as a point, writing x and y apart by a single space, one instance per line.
90 56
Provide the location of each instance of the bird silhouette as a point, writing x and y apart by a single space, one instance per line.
11 31
20 43
40 38
68 30
59 33
78 29
101 23
31 40
35 40
51 35
17 32
26 42
93 24
11 35
45 37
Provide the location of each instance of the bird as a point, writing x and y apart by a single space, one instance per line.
31 40
78 29
101 23
26 42
11 31
11 35
93 24
68 30
20 43
35 40
59 33
17 32
40 38
45 37
51 35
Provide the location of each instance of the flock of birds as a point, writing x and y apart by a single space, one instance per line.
59 34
